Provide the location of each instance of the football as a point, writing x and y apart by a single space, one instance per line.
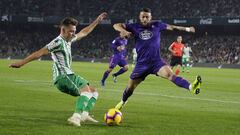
113 117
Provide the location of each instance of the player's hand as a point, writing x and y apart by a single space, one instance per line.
125 34
173 52
16 64
122 47
192 29
102 16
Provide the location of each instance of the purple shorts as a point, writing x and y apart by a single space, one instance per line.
114 61
142 70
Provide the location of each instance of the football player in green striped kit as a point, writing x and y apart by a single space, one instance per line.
63 76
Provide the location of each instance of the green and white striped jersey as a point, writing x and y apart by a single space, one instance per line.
60 51
186 52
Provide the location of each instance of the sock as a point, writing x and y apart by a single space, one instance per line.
76 115
82 102
177 72
183 67
179 81
105 75
188 67
92 101
126 94
122 70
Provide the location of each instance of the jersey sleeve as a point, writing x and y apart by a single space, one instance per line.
162 26
114 44
54 46
129 27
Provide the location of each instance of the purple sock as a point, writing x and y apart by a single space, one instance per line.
126 94
179 81
122 70
105 75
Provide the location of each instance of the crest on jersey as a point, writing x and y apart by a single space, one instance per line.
145 35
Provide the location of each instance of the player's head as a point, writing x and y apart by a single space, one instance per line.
68 27
179 39
145 16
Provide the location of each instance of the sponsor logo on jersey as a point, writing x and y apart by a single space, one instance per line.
145 35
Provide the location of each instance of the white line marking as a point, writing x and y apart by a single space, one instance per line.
178 97
141 93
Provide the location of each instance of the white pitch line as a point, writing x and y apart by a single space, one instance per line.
155 94
31 81
144 93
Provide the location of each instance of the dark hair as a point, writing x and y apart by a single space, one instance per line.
68 21
146 10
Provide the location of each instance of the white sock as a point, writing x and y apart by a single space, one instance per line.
76 115
84 113
190 87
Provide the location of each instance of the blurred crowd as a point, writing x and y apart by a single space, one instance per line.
206 48
122 8
16 40
220 49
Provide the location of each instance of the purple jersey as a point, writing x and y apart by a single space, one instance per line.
119 42
147 40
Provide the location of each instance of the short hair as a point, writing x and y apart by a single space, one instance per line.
68 21
148 10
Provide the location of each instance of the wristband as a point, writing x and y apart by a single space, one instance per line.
187 29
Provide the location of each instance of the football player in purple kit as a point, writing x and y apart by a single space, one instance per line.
147 42
118 58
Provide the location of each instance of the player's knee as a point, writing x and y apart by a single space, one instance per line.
109 70
92 89
132 86
85 89
125 67
95 94
170 76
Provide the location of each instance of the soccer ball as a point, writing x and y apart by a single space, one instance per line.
113 117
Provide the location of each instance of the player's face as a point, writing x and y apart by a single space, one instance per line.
179 39
69 31
145 18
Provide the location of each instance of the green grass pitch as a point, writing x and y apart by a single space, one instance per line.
30 104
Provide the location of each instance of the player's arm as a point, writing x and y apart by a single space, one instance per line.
120 48
85 31
121 27
31 57
126 58
170 48
181 28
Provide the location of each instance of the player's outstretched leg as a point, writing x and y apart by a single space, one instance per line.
121 71
89 107
167 73
196 85
132 84
193 87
